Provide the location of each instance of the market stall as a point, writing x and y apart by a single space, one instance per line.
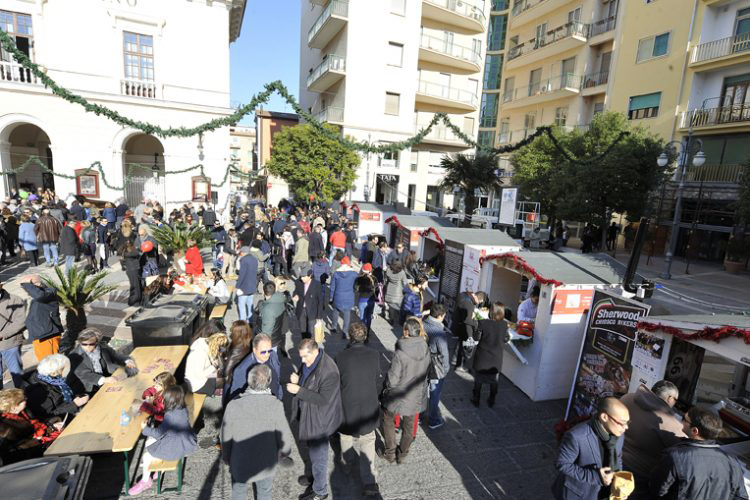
407 229
370 218
567 282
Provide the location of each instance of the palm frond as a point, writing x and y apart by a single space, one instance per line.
78 287
176 238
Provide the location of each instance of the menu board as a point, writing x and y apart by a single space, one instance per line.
450 277
605 368
403 235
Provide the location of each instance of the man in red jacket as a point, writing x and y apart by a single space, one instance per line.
338 242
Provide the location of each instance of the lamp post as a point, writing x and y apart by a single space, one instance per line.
698 160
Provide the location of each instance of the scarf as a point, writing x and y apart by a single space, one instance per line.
608 442
96 359
307 371
60 383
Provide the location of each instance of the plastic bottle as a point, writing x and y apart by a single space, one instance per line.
124 419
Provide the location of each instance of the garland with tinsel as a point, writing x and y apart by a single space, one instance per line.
511 260
432 230
9 45
395 220
707 333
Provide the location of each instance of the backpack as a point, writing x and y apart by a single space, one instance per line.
436 371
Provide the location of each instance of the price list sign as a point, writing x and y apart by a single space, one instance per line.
450 278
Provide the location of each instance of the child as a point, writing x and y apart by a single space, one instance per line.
172 440
153 397
218 291
411 304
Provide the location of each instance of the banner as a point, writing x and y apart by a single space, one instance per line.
605 364
508 207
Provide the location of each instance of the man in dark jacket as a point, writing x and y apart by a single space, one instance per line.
317 407
12 315
316 243
399 254
309 301
590 453
697 469
76 210
359 367
68 245
47 230
209 217
247 283
271 312
463 326
43 320
437 341
262 354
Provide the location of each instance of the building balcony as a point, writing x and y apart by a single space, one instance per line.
446 98
715 174
319 2
503 137
454 15
595 83
330 71
723 117
521 134
329 23
603 31
448 55
331 114
138 88
525 11
14 72
562 39
441 135
721 53
567 85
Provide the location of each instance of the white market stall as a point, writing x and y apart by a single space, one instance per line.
567 282
407 229
369 218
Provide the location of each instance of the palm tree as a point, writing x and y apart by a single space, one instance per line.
174 239
470 173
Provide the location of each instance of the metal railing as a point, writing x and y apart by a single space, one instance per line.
461 8
524 5
595 79
503 138
566 81
332 62
521 134
334 8
603 25
439 132
331 114
707 117
138 88
451 49
14 72
447 92
560 33
720 48
714 173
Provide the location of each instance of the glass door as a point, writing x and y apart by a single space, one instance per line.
568 73
541 30
741 41
735 100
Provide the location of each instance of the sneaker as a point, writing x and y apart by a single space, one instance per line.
371 490
304 481
437 425
314 496
388 457
401 458
141 486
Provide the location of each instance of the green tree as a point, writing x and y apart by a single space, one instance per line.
470 173
312 163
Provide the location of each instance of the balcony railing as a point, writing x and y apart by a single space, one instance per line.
331 63
503 138
699 118
446 92
566 81
461 8
524 5
14 72
720 48
138 88
334 7
714 173
521 134
561 33
330 114
439 132
451 49
595 79
603 26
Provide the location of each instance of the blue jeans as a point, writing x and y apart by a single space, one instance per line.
69 261
317 465
263 489
333 254
11 359
347 313
436 386
50 253
366 308
245 307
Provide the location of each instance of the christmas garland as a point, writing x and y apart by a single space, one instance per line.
432 230
707 333
511 260
393 218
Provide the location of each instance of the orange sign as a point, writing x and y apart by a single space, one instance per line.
369 216
572 301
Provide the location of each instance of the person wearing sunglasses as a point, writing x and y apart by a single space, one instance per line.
93 363
262 354
590 453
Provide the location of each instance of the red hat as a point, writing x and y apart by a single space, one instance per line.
367 267
346 260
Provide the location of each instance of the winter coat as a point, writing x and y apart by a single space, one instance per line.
653 428
437 341
463 323
405 389
46 400
110 214
394 287
194 261
43 319
247 277
131 262
321 269
301 250
310 305
209 217
254 435
11 228
68 241
219 234
263 260
271 312
396 256
47 229
12 318
412 304
342 288
239 377
359 368
198 367
17 440
83 377
175 438
317 405
365 285
489 353
27 236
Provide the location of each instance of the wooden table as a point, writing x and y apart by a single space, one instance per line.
96 429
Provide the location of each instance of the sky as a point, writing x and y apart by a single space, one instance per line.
267 50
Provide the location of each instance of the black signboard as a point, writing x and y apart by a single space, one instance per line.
604 368
450 277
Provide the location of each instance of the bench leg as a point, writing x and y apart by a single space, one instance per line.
127 473
158 482
180 466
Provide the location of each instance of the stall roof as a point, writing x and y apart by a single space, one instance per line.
424 221
473 236
372 207
573 268
700 320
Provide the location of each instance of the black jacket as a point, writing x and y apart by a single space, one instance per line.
359 367
489 353
365 285
310 304
68 241
131 261
463 323
316 245
46 401
43 319
317 405
82 377
209 217
697 470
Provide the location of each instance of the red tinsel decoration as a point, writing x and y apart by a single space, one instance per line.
708 333
519 264
393 218
432 230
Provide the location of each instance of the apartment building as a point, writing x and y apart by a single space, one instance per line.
267 125
242 152
129 56
380 70
493 72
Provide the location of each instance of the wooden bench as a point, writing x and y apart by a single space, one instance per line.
220 310
194 403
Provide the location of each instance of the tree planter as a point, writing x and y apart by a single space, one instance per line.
734 267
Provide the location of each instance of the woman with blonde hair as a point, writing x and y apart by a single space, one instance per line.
205 362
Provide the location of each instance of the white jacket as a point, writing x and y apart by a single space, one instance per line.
198 368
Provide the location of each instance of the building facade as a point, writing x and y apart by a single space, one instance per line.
242 151
130 56
267 125
380 70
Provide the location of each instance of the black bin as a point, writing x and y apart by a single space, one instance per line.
169 324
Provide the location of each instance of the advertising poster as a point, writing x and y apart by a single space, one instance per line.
508 206
649 360
605 365
472 269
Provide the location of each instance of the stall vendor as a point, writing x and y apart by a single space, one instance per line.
527 309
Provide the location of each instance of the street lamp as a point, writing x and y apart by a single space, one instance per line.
698 160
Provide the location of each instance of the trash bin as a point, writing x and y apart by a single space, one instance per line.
168 324
51 478
189 300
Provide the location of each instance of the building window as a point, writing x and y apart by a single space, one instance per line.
497 31
411 196
598 108
505 131
18 27
488 113
486 138
653 46
468 126
644 106
414 161
398 7
500 4
392 103
139 56
561 116
493 71
395 54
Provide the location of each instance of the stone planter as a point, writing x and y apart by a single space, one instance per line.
733 267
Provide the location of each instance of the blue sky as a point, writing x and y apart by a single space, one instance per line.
267 50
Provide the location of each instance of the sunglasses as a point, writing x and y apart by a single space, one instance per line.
266 352
618 422
89 345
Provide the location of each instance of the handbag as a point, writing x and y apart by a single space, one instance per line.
381 295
